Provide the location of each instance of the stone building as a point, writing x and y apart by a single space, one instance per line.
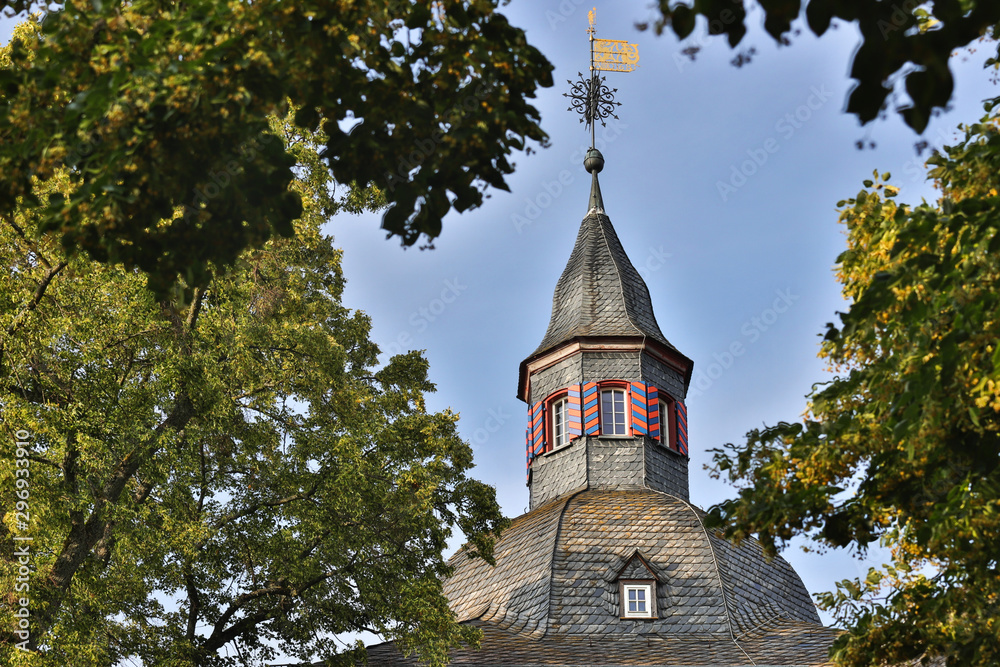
612 565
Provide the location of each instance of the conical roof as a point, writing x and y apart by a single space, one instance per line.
600 293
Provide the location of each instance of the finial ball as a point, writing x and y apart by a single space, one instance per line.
594 161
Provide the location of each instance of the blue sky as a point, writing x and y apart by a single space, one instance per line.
749 265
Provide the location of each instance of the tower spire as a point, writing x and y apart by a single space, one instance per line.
594 101
605 389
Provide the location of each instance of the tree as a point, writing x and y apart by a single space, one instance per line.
903 446
159 110
214 480
908 41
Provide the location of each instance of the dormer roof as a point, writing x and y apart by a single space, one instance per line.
637 567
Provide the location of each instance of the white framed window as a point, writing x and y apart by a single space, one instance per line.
560 423
637 600
613 412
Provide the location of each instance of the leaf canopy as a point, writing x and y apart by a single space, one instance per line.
908 41
159 111
903 446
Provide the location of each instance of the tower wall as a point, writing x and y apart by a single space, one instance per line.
557 473
596 366
557 376
666 470
663 378
594 462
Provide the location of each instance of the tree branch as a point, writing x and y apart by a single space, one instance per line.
195 310
195 601
37 297
235 516
84 535
221 638
32 246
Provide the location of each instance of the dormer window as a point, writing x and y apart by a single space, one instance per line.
613 412
637 588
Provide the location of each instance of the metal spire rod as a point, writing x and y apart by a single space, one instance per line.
589 96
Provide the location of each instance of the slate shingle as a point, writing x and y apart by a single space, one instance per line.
789 644
557 566
599 293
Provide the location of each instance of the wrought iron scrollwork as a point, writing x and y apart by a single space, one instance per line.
591 98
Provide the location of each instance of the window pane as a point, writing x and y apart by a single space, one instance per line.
607 412
637 601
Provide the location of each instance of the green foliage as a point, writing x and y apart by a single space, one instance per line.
218 477
904 445
159 111
908 40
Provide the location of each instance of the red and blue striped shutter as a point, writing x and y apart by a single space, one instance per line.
645 400
653 411
528 449
574 423
591 415
681 414
640 411
537 429
527 446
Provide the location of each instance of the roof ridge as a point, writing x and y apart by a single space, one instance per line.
555 548
722 585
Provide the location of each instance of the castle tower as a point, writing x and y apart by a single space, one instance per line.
605 389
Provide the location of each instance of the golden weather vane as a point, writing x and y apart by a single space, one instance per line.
590 96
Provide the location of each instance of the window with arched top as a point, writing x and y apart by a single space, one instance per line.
559 415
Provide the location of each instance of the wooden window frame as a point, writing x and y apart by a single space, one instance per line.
623 387
668 423
649 585
553 402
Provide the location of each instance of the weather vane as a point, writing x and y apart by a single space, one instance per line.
590 96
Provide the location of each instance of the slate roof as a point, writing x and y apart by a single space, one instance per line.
784 643
599 293
553 596
557 570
